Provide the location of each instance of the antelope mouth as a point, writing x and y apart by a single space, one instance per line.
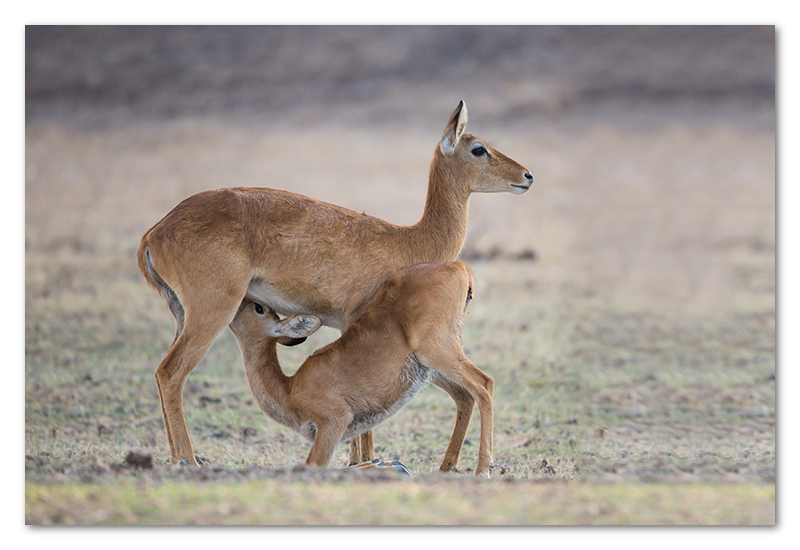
521 187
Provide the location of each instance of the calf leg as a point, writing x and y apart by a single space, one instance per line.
329 433
481 386
465 403
450 361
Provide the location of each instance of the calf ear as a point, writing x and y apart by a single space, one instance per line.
298 326
454 129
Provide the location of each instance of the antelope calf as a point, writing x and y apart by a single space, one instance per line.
298 255
408 334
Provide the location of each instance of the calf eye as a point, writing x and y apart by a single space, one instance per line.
479 151
259 309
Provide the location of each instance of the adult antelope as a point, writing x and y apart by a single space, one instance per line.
408 334
298 255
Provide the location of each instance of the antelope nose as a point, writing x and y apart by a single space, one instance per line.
528 176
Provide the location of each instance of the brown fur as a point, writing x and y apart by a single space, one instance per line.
299 255
408 334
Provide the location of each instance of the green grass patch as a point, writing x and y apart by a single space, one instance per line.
400 503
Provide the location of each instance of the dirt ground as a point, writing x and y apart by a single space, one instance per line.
625 305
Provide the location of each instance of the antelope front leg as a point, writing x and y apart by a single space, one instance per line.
355 451
362 449
367 447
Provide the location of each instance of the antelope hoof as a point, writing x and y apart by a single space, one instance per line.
373 461
398 467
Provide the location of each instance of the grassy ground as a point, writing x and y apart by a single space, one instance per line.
627 319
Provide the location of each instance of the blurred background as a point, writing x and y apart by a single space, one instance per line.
389 73
652 147
640 267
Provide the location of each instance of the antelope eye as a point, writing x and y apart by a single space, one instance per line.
479 151
259 309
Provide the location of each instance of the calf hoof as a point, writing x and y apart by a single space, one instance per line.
485 473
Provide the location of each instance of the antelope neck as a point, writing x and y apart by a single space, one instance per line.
443 227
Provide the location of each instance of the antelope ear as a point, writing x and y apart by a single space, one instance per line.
455 127
298 326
